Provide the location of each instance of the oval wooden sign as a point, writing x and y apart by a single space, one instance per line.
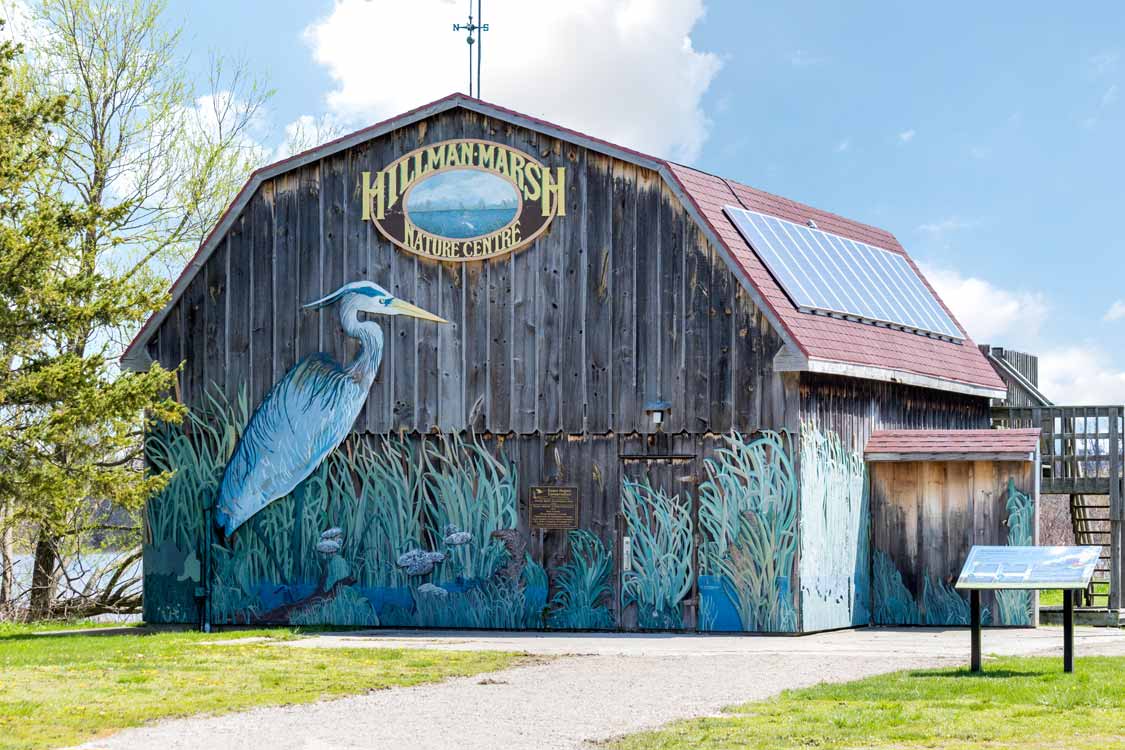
463 200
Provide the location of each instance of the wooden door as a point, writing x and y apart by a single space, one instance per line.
658 540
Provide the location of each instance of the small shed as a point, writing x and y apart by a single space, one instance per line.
936 493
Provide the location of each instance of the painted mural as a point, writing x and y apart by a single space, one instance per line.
1014 607
940 603
748 522
835 528
310 411
662 572
314 527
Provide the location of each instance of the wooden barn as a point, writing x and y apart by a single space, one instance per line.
468 368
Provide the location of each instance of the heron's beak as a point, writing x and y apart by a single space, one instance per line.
405 308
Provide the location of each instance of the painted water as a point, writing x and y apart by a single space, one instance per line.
463 224
462 203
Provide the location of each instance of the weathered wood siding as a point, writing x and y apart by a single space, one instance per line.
854 408
621 301
927 514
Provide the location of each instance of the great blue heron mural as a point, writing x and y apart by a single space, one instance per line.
309 412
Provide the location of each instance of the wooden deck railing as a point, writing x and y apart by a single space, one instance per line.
1081 452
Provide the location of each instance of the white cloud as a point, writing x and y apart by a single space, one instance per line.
1076 375
843 145
906 136
1116 311
804 59
947 225
1103 62
626 72
989 313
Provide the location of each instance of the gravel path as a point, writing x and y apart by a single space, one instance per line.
622 684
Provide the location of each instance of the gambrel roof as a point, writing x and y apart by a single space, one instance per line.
814 343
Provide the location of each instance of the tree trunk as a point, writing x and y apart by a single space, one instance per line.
44 578
7 562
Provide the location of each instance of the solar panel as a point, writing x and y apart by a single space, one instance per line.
827 274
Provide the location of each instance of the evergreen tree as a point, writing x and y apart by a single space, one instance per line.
69 420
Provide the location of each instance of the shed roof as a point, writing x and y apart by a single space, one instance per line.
813 343
952 445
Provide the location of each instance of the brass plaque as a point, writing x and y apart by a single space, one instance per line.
553 508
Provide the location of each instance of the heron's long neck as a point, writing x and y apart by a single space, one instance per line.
370 336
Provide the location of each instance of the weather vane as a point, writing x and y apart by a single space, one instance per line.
474 29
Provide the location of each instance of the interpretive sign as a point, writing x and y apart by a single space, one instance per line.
1066 568
553 508
1029 567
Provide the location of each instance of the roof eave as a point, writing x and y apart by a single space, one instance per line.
788 360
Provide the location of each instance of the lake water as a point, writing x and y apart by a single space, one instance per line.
23 565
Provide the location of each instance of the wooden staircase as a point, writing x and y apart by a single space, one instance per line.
1090 519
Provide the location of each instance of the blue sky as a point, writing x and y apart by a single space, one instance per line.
986 136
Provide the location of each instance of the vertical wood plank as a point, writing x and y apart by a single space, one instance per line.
309 262
624 241
672 308
262 326
286 299
215 315
548 311
649 332
573 361
599 294
478 343
334 341
451 365
404 266
240 293
499 353
721 327
697 336
426 374
194 340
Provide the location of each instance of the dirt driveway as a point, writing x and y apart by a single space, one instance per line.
605 685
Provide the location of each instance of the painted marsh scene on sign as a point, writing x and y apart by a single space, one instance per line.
462 203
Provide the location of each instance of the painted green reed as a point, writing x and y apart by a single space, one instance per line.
468 489
583 585
943 604
660 526
748 514
194 454
1014 607
894 604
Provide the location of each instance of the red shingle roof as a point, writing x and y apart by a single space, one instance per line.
822 337
1020 444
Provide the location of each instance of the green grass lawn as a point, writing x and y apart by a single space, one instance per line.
1054 597
62 690
1017 703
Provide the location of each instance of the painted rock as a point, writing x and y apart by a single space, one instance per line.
418 562
457 538
429 589
328 546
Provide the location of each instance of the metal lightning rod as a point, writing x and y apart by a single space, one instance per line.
474 37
